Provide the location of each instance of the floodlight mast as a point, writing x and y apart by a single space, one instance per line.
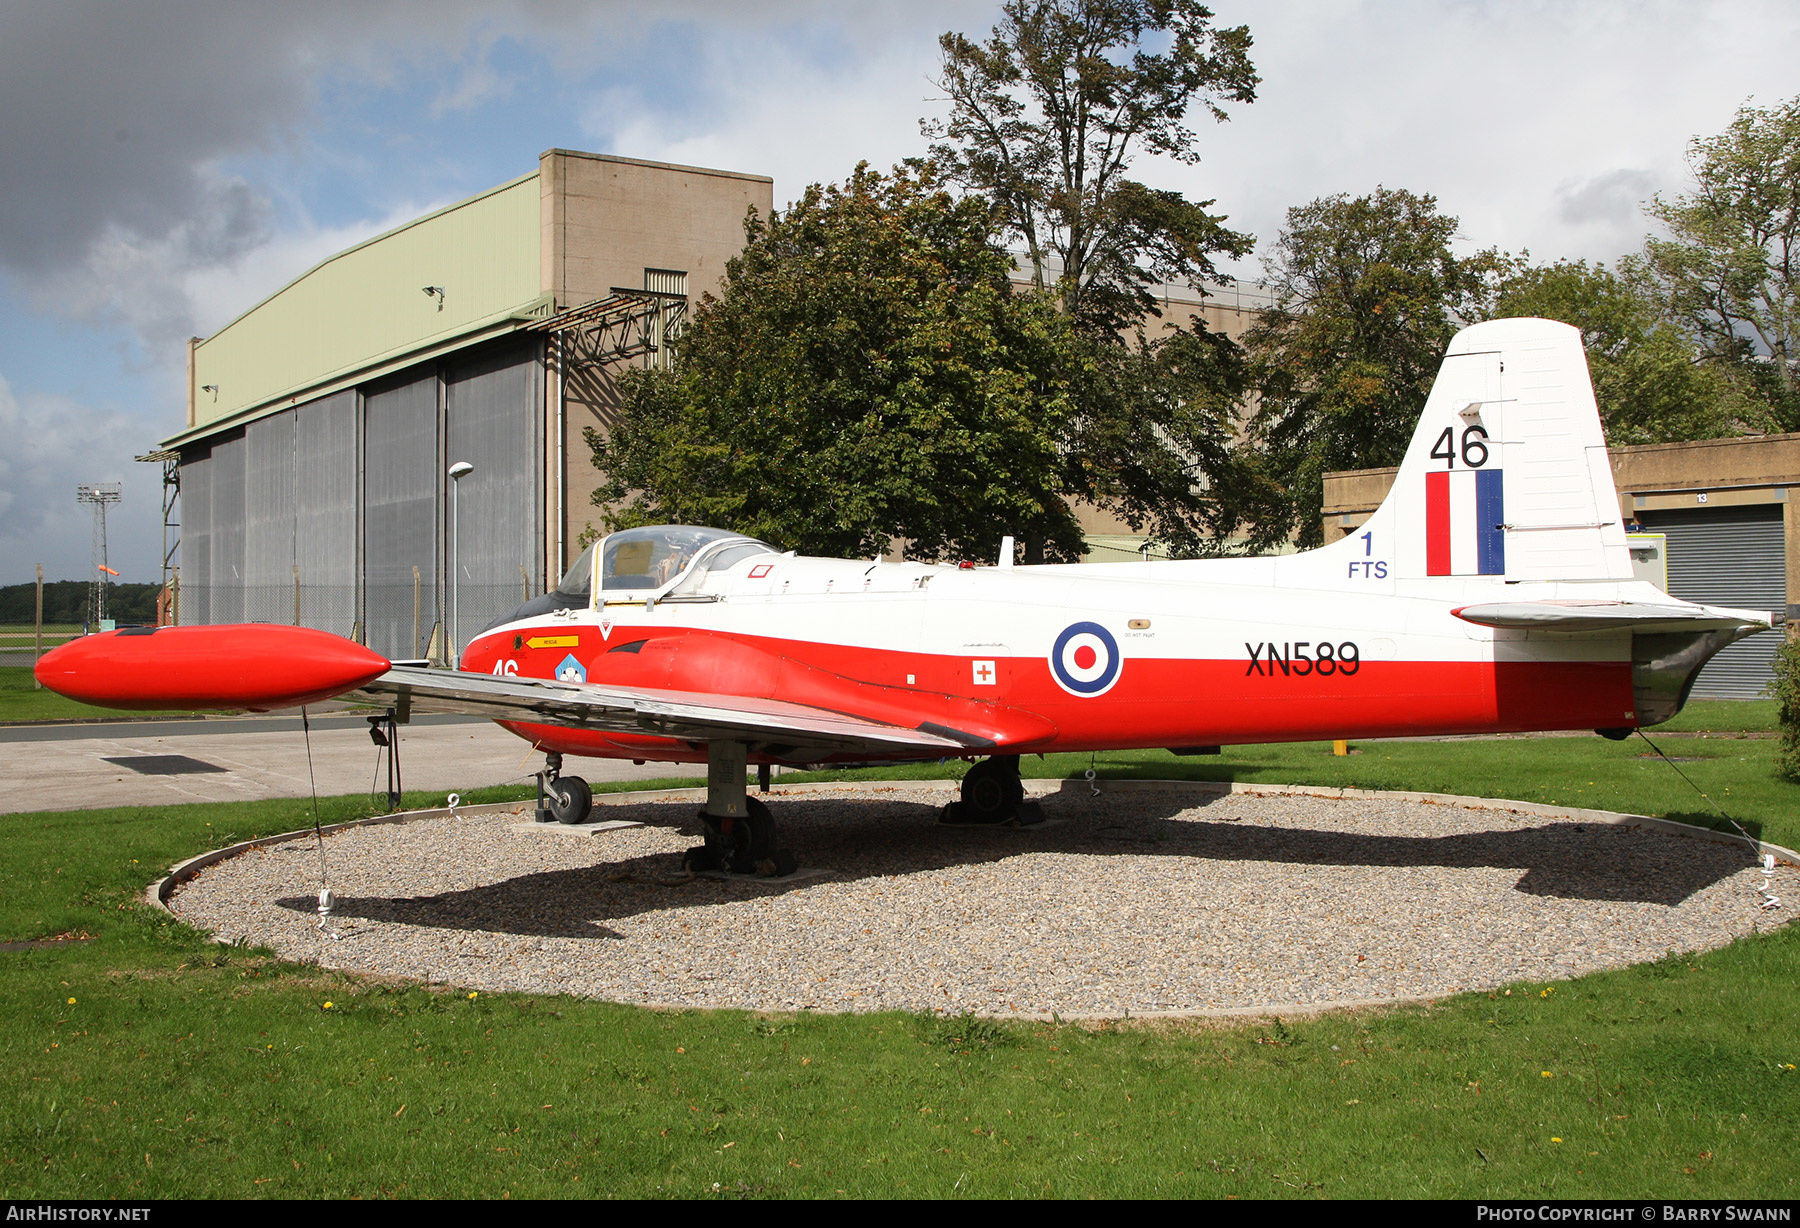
100 494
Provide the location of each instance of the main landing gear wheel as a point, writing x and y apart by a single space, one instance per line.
993 795
740 831
741 845
569 800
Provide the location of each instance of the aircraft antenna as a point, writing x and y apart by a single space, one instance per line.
101 495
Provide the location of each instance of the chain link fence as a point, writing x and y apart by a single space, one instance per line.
22 643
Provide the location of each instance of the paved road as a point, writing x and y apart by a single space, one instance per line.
70 767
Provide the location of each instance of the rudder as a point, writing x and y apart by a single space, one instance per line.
1507 475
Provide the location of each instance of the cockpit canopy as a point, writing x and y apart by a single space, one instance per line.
650 559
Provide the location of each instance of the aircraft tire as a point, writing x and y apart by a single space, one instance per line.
702 859
748 848
569 799
992 790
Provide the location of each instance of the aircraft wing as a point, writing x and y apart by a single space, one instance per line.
686 715
1576 617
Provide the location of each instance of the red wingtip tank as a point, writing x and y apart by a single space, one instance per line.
256 666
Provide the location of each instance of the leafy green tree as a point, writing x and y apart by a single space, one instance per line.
1369 294
1785 687
866 373
1046 119
869 372
1730 266
1649 380
67 601
1153 439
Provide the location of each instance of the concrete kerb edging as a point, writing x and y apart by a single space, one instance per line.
159 892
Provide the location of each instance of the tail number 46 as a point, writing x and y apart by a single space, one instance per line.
1474 447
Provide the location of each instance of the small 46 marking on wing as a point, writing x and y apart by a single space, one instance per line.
1304 657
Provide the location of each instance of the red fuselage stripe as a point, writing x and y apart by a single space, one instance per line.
1155 702
1437 523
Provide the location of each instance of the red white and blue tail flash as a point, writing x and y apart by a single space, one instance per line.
1465 519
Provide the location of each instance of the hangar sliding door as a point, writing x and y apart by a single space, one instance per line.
325 513
493 419
1729 556
225 558
401 472
196 536
268 565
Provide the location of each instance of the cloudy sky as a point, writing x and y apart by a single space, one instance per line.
168 165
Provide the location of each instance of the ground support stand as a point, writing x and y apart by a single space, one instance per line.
384 732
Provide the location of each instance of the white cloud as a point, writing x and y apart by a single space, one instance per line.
762 99
53 445
1505 112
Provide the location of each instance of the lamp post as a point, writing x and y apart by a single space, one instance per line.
458 471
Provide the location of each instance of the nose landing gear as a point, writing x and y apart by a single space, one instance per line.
562 799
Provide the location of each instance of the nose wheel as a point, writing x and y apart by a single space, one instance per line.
562 799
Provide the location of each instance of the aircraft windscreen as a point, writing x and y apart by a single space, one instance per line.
578 581
649 558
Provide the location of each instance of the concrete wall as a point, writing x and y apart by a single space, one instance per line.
1223 309
1716 473
605 220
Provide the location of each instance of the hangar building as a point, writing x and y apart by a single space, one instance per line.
323 423
1729 511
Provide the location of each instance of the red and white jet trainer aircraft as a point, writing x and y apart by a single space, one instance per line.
1491 592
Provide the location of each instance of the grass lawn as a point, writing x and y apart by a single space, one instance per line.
149 1062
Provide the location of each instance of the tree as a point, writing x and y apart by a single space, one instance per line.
1730 266
1369 294
867 372
1785 687
1648 376
1046 118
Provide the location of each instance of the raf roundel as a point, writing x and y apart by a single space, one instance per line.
1085 660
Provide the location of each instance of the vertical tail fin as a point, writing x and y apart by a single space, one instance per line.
1507 474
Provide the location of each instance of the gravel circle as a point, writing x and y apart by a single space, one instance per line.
1139 902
